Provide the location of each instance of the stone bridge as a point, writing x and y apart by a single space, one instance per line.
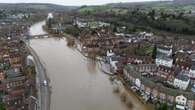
37 36
29 37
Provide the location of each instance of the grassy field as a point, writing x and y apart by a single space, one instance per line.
105 8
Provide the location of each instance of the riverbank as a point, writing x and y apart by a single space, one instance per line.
109 73
150 106
44 91
99 60
45 28
74 76
100 65
69 66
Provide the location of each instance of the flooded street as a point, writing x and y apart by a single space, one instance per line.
77 83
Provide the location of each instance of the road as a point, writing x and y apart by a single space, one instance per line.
43 90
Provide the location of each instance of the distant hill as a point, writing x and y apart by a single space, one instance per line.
35 6
175 5
153 3
179 5
173 18
184 1
136 4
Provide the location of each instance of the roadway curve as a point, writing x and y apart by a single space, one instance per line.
43 90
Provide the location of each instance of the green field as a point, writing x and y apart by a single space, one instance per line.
105 8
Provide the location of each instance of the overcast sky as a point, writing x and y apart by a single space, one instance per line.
72 2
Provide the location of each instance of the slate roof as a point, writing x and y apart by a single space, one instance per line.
193 65
193 57
158 86
12 73
163 56
182 77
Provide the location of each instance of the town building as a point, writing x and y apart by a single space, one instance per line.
181 102
164 56
182 81
153 88
2 75
182 60
192 69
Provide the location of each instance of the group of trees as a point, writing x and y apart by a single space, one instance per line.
171 22
140 50
66 20
72 30
29 71
2 106
163 106
149 20
176 23
2 14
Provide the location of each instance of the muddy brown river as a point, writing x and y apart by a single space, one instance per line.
77 83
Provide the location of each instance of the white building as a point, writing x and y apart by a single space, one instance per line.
165 61
164 57
165 50
192 69
192 72
181 81
112 59
113 62
138 83
29 60
193 88
50 16
109 53
181 102
81 24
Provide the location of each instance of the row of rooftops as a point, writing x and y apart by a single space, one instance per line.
11 58
14 85
174 72
165 47
13 81
151 83
91 38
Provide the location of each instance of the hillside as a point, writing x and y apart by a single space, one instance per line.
168 6
35 6
175 18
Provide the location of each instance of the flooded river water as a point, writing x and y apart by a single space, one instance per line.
77 83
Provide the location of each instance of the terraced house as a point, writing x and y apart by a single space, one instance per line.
15 85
